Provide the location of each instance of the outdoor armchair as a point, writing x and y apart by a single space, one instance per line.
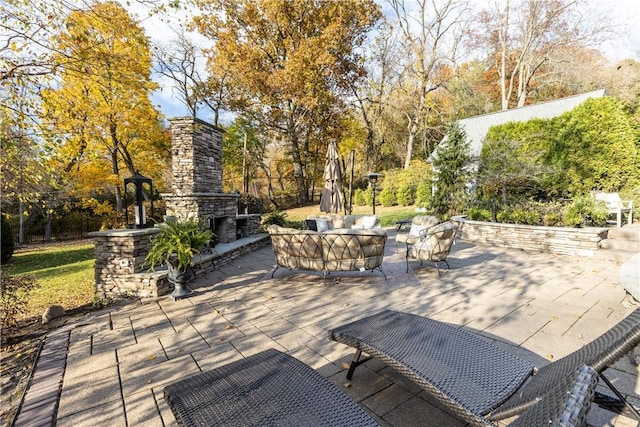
433 244
418 224
472 378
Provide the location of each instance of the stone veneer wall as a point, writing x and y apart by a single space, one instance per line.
120 257
196 152
559 240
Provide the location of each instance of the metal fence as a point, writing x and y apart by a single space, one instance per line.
72 227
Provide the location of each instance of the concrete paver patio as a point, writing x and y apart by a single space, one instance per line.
538 305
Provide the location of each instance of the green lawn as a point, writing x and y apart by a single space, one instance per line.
64 272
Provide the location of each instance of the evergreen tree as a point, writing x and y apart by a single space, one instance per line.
451 163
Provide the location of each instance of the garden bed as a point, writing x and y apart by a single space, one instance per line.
559 240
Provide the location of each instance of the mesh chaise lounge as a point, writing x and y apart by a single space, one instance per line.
273 389
267 389
474 379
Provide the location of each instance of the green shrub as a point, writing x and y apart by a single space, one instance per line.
368 197
503 216
572 218
423 194
550 219
478 214
387 196
584 211
521 216
277 217
406 195
6 240
14 296
359 197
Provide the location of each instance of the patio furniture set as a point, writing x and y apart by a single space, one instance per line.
472 378
356 243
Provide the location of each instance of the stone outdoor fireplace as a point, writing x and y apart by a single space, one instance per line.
196 154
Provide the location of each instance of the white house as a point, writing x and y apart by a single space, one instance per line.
477 127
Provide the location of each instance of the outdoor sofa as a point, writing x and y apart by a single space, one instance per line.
470 376
343 249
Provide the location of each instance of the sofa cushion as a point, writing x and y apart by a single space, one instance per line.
322 224
369 221
333 220
356 221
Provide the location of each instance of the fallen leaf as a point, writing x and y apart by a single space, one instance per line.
345 365
549 356
229 327
151 357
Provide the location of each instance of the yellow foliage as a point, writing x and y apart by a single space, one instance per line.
101 111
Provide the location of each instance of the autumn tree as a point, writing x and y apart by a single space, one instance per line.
291 64
430 35
528 41
179 62
372 97
101 109
27 179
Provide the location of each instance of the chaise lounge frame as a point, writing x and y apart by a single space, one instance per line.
474 379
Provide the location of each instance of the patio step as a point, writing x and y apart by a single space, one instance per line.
620 244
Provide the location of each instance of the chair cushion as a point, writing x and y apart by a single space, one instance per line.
416 229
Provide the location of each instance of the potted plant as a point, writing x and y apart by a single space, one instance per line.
175 246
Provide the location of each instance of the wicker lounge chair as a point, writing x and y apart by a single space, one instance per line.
474 379
267 389
273 389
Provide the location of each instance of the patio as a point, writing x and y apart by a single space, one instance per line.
118 361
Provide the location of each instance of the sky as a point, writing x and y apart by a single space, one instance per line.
625 14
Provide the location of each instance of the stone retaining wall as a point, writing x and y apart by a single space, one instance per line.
559 240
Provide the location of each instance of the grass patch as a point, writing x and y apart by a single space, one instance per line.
64 272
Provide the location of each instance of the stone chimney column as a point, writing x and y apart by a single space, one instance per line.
196 156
